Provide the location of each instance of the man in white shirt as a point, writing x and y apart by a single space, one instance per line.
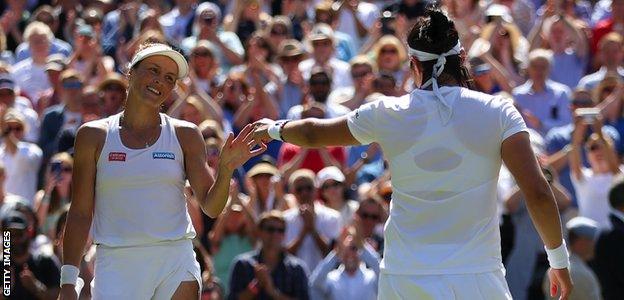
29 74
311 226
352 279
21 159
323 49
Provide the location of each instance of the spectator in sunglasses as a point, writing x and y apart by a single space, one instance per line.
229 50
369 219
269 272
363 71
311 226
590 183
357 274
66 115
320 85
51 201
10 99
331 182
21 159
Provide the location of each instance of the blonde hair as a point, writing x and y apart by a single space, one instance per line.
37 27
271 215
301 174
363 60
196 103
63 157
610 37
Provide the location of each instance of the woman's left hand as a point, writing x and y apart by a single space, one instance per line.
237 150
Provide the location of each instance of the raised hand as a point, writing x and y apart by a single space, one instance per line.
237 150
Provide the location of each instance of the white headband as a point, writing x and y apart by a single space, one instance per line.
438 67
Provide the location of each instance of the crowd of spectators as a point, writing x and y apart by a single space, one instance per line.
308 223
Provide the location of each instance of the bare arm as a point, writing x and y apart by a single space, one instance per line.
574 156
80 212
519 158
212 194
316 133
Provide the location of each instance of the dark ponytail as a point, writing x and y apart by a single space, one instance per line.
435 33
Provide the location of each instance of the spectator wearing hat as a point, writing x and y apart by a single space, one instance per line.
10 99
582 236
356 276
264 187
278 30
35 274
55 64
21 159
311 226
345 46
611 53
205 74
228 49
29 74
88 58
66 115
488 75
290 93
546 101
331 183
323 45
270 272
609 262
362 71
113 92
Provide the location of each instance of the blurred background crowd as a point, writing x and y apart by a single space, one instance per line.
308 223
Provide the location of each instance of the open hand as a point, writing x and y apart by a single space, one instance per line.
237 150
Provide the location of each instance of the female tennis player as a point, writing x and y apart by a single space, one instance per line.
128 180
444 144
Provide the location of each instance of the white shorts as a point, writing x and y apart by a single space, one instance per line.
143 272
486 286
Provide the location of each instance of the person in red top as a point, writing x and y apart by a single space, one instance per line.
292 157
614 23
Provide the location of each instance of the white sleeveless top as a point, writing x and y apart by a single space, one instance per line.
139 193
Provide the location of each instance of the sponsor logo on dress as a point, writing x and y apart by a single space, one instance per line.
116 156
163 155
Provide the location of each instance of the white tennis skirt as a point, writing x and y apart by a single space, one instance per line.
485 286
143 272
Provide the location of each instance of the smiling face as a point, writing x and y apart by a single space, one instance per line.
153 79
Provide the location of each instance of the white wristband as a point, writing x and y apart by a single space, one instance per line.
274 130
558 258
69 274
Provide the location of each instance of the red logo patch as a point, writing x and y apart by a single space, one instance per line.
116 156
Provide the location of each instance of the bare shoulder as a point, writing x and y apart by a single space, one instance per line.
187 132
91 136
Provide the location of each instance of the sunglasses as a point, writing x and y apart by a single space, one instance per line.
331 185
593 147
319 82
373 217
67 169
201 53
72 85
274 229
14 128
209 19
303 188
392 50
278 32
359 74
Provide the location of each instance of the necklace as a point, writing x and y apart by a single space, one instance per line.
149 137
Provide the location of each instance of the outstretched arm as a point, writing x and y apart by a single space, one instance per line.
312 133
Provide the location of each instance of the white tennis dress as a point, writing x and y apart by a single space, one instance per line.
141 224
442 238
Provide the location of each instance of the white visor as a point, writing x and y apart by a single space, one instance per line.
165 50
